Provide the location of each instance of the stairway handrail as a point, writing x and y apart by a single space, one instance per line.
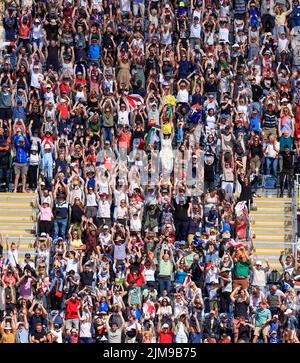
295 210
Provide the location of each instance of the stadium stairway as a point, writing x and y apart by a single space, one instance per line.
2 31
18 219
272 225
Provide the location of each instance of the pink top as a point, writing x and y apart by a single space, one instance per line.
46 214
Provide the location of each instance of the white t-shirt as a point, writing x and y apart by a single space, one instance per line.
183 96
224 34
13 257
58 335
259 277
85 327
135 224
35 78
270 151
105 238
149 274
72 265
195 31
103 209
123 117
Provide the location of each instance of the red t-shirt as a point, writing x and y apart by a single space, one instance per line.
166 337
64 88
135 281
71 309
64 110
124 140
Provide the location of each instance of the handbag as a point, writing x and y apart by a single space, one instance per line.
58 294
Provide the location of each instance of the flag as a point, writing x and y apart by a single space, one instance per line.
133 101
187 281
195 114
5 44
4 262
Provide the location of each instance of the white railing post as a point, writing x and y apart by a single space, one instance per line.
295 212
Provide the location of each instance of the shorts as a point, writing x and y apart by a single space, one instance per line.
91 212
21 168
5 113
259 329
72 323
235 326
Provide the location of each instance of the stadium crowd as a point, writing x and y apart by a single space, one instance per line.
145 128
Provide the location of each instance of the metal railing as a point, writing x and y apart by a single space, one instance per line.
295 214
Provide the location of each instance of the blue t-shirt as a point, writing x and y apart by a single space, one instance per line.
103 306
274 340
262 316
180 277
94 51
195 338
254 123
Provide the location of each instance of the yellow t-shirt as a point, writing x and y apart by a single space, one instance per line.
8 337
75 244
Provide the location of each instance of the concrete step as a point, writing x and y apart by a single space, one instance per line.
16 205
18 195
268 236
17 219
14 224
268 229
271 239
272 208
12 212
276 201
271 222
266 218
15 234
12 237
272 198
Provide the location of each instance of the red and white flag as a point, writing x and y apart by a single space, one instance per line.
133 101
5 44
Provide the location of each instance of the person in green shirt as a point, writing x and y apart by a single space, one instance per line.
165 267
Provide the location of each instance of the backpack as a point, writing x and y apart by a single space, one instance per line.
270 182
274 277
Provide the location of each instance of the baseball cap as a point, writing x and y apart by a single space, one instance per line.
226 234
